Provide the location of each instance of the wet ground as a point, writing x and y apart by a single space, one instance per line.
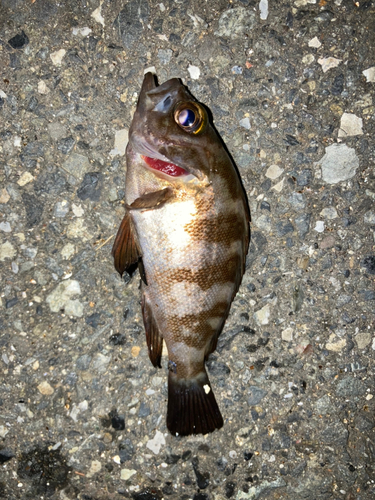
291 89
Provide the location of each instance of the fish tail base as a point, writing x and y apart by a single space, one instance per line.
192 407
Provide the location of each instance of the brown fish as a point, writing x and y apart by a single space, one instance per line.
187 227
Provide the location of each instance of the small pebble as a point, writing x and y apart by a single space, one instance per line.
100 362
107 438
328 63
194 72
7 251
350 124
279 186
329 213
97 15
5 226
25 178
56 130
287 334
61 296
297 200
45 388
81 31
156 443
42 87
369 218
95 467
245 123
19 41
363 339
67 251
263 222
256 394
135 351
57 57
369 74
61 208
127 473
4 196
335 345
274 171
77 210
262 316
315 43
339 163
263 8
121 141
328 242
77 166
319 226
237 70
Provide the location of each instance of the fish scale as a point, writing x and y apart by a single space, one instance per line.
187 226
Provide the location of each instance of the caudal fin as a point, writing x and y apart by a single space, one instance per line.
192 407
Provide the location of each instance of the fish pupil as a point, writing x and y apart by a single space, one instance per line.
186 118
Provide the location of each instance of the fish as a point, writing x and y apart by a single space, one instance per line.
186 227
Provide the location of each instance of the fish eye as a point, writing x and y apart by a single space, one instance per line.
191 117
186 118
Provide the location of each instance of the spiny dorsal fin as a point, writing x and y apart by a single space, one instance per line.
126 250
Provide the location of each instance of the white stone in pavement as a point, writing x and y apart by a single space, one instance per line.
350 125
339 164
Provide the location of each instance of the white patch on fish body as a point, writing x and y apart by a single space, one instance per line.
171 220
177 216
189 298
179 350
215 322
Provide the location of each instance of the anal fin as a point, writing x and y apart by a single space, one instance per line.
126 250
213 342
153 337
192 407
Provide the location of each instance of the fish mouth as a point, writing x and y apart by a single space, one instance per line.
165 167
158 163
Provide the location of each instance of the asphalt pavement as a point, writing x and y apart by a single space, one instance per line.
291 89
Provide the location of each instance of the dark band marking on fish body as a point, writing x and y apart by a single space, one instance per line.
209 275
223 228
198 325
214 225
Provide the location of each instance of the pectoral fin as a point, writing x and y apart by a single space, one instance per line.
126 250
153 337
152 200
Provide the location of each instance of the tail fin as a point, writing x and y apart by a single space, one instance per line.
192 407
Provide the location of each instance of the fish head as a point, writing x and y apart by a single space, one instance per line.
171 131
